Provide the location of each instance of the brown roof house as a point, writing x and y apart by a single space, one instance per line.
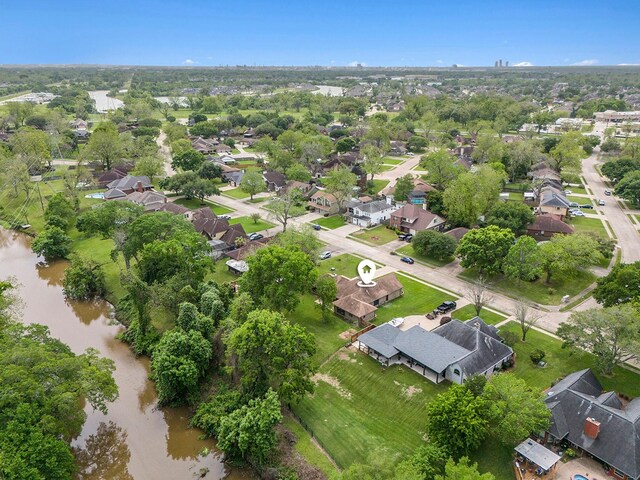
547 225
150 200
412 219
208 223
275 181
359 304
323 202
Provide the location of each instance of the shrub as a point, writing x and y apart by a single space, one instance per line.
434 244
569 452
537 355
510 338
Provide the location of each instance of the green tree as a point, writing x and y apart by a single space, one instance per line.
612 334
512 215
277 276
568 255
108 217
60 207
204 129
568 152
104 146
434 244
523 260
209 171
441 167
189 318
15 173
326 290
520 157
52 243
252 183
303 238
485 248
83 279
149 166
32 147
615 170
190 185
345 144
629 187
248 432
514 410
298 172
178 364
472 194
463 470
286 205
187 160
621 285
372 163
403 187
272 353
340 183
429 460
210 414
456 420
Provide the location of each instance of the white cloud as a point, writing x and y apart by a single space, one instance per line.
188 61
355 63
523 64
628 64
585 63
439 62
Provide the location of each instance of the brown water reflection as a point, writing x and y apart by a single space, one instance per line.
136 440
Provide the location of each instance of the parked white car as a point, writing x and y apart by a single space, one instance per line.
576 213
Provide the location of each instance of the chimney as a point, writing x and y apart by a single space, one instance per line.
139 187
591 428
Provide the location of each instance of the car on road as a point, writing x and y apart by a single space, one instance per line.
408 260
316 226
225 217
574 204
576 213
446 306
586 205
601 202
255 236
607 193
325 255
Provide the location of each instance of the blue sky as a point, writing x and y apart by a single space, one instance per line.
278 32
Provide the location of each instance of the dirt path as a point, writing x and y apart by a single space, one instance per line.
166 154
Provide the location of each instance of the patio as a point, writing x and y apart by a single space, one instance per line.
585 466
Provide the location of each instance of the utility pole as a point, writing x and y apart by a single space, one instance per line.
40 196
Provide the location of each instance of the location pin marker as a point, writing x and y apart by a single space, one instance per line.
366 271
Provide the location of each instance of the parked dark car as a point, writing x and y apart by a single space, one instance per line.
408 260
402 236
447 306
255 236
316 226
408 237
586 205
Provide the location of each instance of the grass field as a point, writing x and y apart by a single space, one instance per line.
334 221
194 203
387 168
408 251
392 161
236 193
377 236
588 225
469 311
418 299
345 264
379 185
538 291
305 447
562 361
579 200
249 225
366 406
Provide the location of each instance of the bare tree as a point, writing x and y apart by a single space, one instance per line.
285 206
478 294
525 317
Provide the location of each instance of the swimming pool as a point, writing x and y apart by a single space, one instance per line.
99 195
579 477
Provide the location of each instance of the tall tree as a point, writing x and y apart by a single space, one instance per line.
472 194
612 334
340 183
252 183
629 187
463 470
478 294
525 317
512 215
568 152
568 255
403 187
285 206
32 147
441 168
485 248
434 244
273 354
621 285
523 261
326 290
372 163
105 145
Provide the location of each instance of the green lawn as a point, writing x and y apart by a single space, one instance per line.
365 407
345 264
392 161
194 203
334 221
378 235
408 251
305 447
577 190
221 273
538 291
562 361
249 225
469 311
586 225
379 185
516 196
235 193
418 299
386 168
579 200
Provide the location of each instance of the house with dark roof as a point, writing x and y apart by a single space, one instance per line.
359 304
547 225
208 223
457 233
412 219
275 181
368 214
552 200
131 183
596 422
150 200
232 235
454 351
204 145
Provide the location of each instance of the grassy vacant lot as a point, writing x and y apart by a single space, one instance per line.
194 203
236 193
588 225
378 235
418 299
309 450
249 225
408 251
468 311
538 291
562 361
345 264
359 406
379 185
334 221
392 161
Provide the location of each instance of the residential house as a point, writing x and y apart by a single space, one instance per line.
248 248
222 148
234 178
116 173
174 208
553 201
323 202
304 188
368 214
204 145
275 181
79 124
131 183
208 223
454 351
595 422
151 201
457 233
547 225
233 235
397 148
359 304
412 219
418 196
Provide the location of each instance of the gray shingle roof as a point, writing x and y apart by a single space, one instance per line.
430 349
129 182
381 339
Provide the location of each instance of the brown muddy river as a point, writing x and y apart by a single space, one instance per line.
136 439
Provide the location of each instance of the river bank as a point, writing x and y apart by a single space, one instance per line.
136 439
